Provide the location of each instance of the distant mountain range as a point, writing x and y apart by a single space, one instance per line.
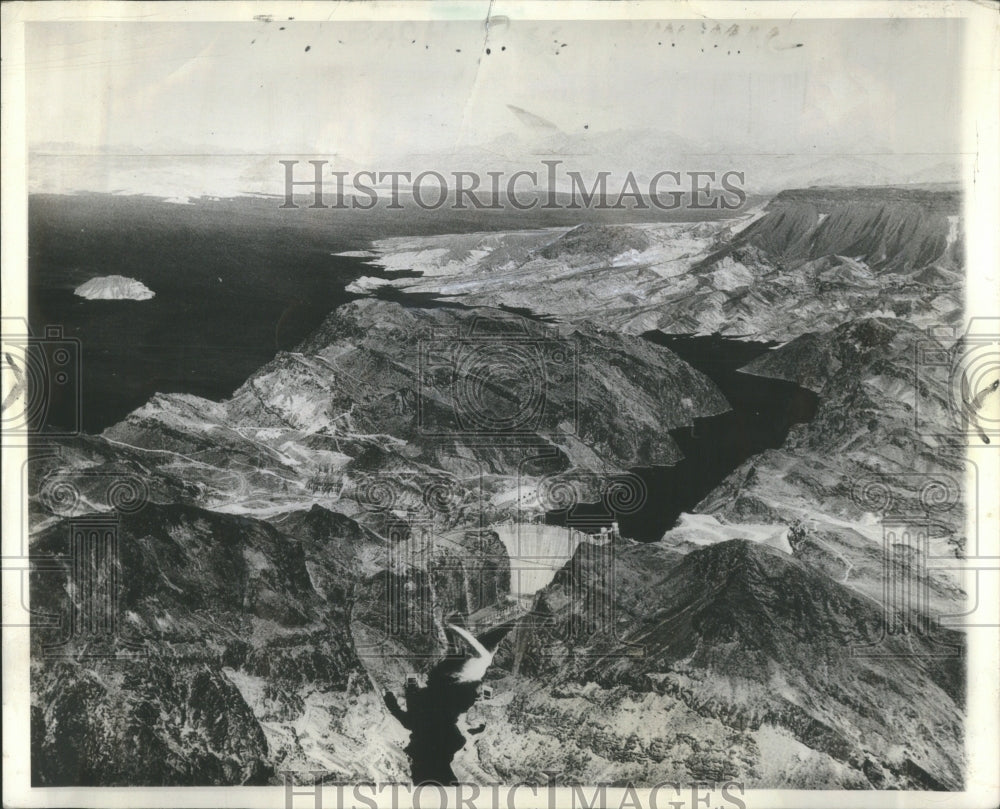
186 171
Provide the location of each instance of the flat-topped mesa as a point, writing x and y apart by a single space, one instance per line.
942 198
890 229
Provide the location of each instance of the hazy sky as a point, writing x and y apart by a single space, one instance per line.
380 89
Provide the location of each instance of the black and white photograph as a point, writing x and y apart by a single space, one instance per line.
500 404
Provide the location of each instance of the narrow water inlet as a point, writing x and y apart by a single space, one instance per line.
763 411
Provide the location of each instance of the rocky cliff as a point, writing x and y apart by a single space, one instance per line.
231 660
733 661
862 462
258 626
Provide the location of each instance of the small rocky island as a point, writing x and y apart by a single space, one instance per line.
114 287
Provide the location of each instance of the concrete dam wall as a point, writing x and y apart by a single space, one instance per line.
537 551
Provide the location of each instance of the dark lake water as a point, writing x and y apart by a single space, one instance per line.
235 281
762 412
233 286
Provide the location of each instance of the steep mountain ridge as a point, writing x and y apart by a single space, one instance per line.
724 650
374 392
860 460
230 660
273 546
244 648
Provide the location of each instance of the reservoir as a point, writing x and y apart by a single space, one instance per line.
763 411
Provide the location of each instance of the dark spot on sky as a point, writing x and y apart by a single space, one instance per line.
458 50
282 28
252 41
503 47
307 48
291 18
487 51
413 42
673 45
799 45
563 45
586 126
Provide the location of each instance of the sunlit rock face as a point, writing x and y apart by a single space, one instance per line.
231 657
731 660
354 409
808 260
